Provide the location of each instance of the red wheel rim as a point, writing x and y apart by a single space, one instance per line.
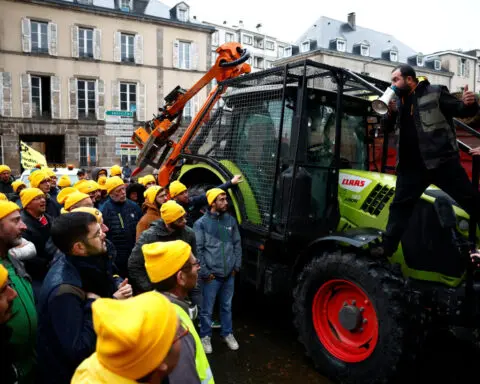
348 345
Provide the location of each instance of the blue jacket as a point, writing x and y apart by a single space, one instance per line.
219 247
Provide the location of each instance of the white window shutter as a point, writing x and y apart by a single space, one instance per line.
73 98
117 47
6 94
115 95
55 86
138 50
97 44
74 38
100 99
26 35
459 67
26 98
176 56
52 39
467 68
142 102
194 56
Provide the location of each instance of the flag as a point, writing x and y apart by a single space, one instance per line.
30 157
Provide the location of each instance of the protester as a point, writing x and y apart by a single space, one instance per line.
6 180
155 196
116 170
40 179
64 182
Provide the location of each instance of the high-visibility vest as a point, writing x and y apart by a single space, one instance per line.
201 361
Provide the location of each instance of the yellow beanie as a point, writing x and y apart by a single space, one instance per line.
112 183
3 275
115 171
101 182
16 184
64 181
63 194
164 258
74 198
5 168
7 207
28 194
37 177
151 193
176 187
3 197
89 186
49 172
213 193
93 211
140 180
171 211
134 336
147 179
79 183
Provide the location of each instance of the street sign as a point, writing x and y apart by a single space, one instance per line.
119 113
126 146
119 117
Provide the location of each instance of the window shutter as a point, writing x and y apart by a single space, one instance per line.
26 87
74 38
52 39
117 47
459 67
115 95
100 99
467 68
6 94
194 56
55 86
142 104
97 44
26 35
176 56
72 98
138 49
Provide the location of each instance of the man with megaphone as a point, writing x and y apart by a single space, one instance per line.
427 150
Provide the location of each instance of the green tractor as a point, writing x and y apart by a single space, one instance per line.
309 209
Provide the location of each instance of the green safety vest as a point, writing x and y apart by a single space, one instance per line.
201 361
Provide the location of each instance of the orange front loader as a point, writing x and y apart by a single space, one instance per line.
156 134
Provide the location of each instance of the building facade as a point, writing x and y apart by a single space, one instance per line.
63 64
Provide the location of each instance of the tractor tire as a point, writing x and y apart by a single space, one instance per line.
352 316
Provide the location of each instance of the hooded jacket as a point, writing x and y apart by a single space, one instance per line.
96 171
151 213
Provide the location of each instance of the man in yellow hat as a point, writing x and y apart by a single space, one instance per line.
41 180
116 170
6 180
147 181
155 196
173 271
18 186
64 182
92 189
138 341
219 250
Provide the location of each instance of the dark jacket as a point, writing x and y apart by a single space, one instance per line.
136 263
121 220
53 208
7 367
7 189
219 247
433 109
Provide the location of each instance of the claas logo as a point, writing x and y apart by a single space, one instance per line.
354 183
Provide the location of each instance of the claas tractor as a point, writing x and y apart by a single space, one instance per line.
310 209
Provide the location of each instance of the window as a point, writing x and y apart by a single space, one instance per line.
184 57
187 112
419 61
39 36
305 47
281 51
40 96
258 42
462 67
258 62
85 2
182 14
437 64
341 45
88 151
247 39
270 45
478 73
86 99
287 52
364 50
215 38
128 42
250 60
128 97
228 37
85 42
126 5
214 57
393 56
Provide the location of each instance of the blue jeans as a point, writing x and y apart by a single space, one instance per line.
224 289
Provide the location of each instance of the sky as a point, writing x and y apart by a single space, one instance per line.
424 25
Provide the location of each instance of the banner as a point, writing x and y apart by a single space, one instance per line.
30 157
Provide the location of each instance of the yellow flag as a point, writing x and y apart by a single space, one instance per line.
30 157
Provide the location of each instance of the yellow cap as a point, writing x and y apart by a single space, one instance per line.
3 275
28 194
176 187
37 177
64 181
165 258
147 179
101 182
63 194
74 198
213 193
3 197
89 186
93 211
115 171
151 193
16 184
134 336
112 183
49 172
171 211
7 207
5 168
79 183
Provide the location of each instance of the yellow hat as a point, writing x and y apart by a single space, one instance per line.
49 172
140 180
147 179
63 194
151 193
74 198
3 197
112 183
171 211
93 211
134 336
89 186
28 194
5 168
64 181
79 183
16 184
115 171
176 187
101 182
213 193
3 275
37 177
7 207
164 258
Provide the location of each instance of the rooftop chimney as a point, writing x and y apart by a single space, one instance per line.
351 20
259 27
240 22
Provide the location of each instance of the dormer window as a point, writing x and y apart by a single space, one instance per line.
437 64
341 45
419 60
394 56
126 5
365 50
182 14
305 47
287 52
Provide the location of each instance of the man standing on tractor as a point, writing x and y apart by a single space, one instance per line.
427 151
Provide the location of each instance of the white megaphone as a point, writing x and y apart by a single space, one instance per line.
381 105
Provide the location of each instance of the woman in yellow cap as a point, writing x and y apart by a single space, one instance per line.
155 196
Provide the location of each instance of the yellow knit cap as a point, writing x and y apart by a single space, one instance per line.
171 211
28 194
5 168
64 181
176 187
89 186
140 180
7 207
3 197
165 258
49 172
115 171
37 177
147 179
63 194
101 182
213 193
74 198
112 183
16 184
3 275
93 211
151 193
134 336
79 183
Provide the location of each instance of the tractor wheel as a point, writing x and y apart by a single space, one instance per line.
352 317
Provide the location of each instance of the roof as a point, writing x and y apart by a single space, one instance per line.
455 53
326 29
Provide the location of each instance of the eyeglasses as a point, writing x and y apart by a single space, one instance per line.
182 335
191 265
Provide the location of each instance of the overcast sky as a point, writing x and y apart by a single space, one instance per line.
424 25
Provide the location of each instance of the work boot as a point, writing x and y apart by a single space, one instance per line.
207 345
231 342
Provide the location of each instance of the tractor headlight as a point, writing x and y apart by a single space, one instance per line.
463 225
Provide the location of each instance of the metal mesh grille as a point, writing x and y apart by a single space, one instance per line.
377 199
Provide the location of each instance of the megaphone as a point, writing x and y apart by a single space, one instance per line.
381 105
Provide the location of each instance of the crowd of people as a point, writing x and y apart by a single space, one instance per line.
113 280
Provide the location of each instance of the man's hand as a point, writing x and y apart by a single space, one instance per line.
93 296
468 97
475 151
392 105
236 179
124 291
